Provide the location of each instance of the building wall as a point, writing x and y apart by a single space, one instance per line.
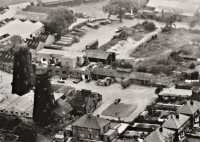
85 133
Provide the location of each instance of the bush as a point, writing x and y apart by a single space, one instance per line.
192 66
26 133
149 26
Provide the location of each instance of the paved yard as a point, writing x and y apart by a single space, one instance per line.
139 96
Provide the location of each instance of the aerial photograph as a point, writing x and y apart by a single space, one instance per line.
99 70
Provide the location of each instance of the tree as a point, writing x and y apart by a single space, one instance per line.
149 26
119 7
59 20
26 133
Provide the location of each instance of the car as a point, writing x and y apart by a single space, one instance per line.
92 25
129 16
76 81
118 30
105 82
61 80
88 80
105 22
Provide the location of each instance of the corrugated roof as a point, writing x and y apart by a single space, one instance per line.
189 108
15 28
97 54
6 57
89 121
63 108
176 123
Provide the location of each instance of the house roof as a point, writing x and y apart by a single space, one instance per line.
191 107
176 123
183 7
159 136
32 16
89 121
97 54
38 9
63 108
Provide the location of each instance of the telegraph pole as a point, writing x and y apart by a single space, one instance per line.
120 11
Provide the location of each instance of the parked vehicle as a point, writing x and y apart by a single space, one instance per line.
61 81
129 16
105 22
93 25
55 47
88 80
76 81
93 45
105 82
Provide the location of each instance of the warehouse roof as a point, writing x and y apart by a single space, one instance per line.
32 16
15 28
176 92
37 9
186 7
66 54
97 54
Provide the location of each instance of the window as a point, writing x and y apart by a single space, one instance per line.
89 136
27 114
11 112
90 130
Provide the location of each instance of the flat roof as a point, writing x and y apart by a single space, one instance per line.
176 92
63 53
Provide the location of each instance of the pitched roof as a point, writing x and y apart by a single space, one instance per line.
32 16
189 108
159 136
6 56
97 54
63 108
89 121
175 92
37 9
176 123
53 1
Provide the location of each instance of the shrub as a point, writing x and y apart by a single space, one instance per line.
149 26
192 66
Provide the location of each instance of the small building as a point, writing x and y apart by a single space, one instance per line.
101 73
90 127
54 3
178 123
101 56
161 135
6 61
184 10
62 111
191 109
84 101
178 93
69 59
139 78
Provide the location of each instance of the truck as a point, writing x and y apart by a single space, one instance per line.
92 45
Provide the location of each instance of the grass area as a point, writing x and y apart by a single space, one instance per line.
162 55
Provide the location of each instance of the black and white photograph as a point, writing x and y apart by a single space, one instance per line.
99 70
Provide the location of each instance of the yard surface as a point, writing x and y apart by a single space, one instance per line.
139 96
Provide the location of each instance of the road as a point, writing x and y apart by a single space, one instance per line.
137 95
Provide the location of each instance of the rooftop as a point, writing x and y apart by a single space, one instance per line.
98 54
183 7
176 92
176 123
15 28
159 135
191 107
37 9
64 53
89 121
